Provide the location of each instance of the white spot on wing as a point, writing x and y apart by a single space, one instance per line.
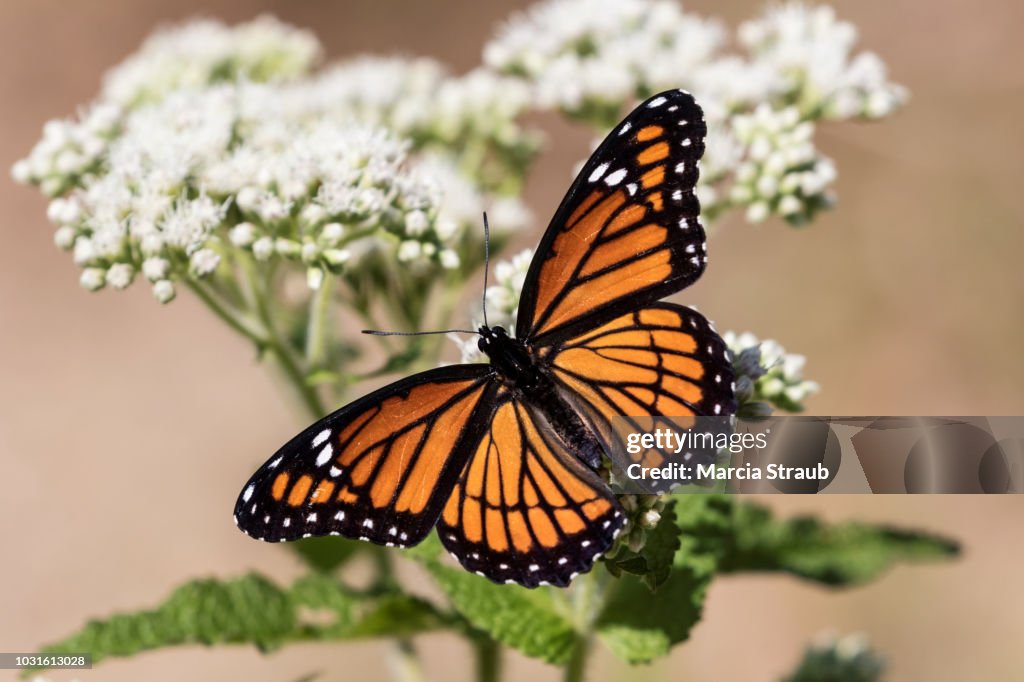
273 464
598 172
615 178
656 102
248 492
325 455
321 437
625 127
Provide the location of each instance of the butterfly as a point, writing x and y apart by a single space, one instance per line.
502 458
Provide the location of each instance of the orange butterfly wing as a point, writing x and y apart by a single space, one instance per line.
664 360
525 510
627 232
378 469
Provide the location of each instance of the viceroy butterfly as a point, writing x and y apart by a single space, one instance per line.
501 457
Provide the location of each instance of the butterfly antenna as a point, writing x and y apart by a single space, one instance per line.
487 264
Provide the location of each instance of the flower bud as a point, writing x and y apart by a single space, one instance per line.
204 262
92 279
164 291
263 248
242 234
120 275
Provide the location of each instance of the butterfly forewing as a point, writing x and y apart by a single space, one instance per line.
627 233
525 510
378 469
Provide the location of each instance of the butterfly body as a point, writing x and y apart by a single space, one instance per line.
531 383
502 458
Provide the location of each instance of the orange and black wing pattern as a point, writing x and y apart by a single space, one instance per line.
525 510
378 469
627 232
661 361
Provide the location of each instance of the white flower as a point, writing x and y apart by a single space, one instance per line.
204 262
120 275
92 279
782 172
263 248
579 53
811 50
782 382
163 290
200 52
155 268
242 234
449 259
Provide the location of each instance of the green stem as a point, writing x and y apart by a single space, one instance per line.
231 317
488 659
586 599
279 348
575 670
317 325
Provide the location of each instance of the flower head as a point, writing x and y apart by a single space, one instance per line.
766 373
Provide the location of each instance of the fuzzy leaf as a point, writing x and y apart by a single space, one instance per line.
841 554
638 626
513 615
249 609
252 610
357 615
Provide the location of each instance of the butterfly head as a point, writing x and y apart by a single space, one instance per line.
490 337
509 356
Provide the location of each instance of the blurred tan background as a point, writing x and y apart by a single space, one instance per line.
126 428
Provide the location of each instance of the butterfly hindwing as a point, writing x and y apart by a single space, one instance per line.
643 367
378 469
627 232
525 510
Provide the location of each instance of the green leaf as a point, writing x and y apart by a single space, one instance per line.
359 615
638 626
841 554
252 610
324 554
248 609
513 615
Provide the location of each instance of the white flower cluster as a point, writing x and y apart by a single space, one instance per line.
781 381
780 171
462 115
198 53
593 58
502 302
580 54
303 170
812 50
